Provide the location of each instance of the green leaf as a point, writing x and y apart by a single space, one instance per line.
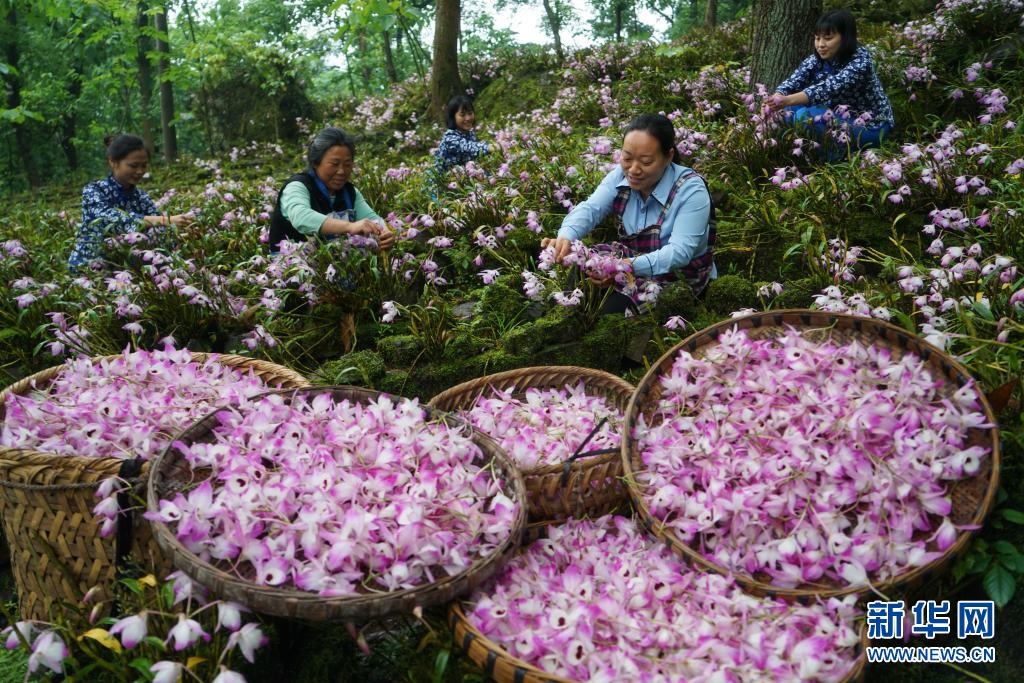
1000 585
982 309
9 332
1015 516
1015 563
441 665
1006 548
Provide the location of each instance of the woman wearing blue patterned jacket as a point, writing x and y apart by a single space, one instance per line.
839 78
459 143
115 205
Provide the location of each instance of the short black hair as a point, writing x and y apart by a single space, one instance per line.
661 129
839 21
121 145
455 105
324 140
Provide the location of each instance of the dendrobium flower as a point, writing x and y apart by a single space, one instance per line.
598 600
48 650
747 436
337 497
186 632
132 630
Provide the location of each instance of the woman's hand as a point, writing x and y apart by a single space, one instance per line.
385 238
181 220
776 101
562 246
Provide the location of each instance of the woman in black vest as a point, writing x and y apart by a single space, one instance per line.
321 201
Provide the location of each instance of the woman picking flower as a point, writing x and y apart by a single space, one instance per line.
321 201
840 73
115 205
663 211
459 143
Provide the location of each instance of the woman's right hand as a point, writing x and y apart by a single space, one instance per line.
363 227
181 220
562 246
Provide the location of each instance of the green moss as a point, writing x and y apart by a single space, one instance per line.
797 294
522 340
497 360
731 293
676 298
500 303
399 350
559 325
517 93
462 346
361 368
394 382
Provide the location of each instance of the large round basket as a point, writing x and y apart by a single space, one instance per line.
972 498
46 503
594 484
171 474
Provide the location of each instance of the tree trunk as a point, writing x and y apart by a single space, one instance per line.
145 76
711 14
555 23
618 21
12 79
166 88
365 68
389 58
69 119
782 34
445 81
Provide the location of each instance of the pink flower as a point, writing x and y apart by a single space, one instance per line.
166 672
132 630
50 651
185 633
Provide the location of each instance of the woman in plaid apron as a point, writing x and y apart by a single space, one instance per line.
665 219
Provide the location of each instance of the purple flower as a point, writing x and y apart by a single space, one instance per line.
132 630
185 633
50 651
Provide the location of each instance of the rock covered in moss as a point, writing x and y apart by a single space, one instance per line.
399 350
731 293
360 368
676 298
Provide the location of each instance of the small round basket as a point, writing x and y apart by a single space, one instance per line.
972 498
46 503
594 485
171 473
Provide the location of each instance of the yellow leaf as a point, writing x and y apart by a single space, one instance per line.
148 580
103 637
193 662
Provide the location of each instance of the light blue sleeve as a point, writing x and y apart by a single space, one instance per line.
295 207
688 218
585 216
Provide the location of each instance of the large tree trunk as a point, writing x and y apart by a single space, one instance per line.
12 79
166 88
69 119
389 58
555 23
445 81
365 68
145 76
711 14
618 21
782 34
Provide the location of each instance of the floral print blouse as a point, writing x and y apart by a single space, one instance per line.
108 209
830 84
457 147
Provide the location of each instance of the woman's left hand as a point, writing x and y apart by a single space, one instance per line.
385 238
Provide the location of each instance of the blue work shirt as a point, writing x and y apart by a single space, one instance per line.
684 232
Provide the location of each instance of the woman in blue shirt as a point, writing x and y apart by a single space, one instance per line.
839 73
115 205
663 211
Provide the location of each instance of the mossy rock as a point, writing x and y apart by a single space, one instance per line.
602 347
501 303
497 360
731 293
559 325
676 298
462 346
797 294
522 340
394 382
399 350
360 368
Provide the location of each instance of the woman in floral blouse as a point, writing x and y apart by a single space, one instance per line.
115 205
838 81
459 143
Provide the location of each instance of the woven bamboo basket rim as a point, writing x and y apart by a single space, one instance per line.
463 396
293 602
895 338
44 462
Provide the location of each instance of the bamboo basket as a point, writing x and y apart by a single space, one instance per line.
46 503
171 473
972 498
594 485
